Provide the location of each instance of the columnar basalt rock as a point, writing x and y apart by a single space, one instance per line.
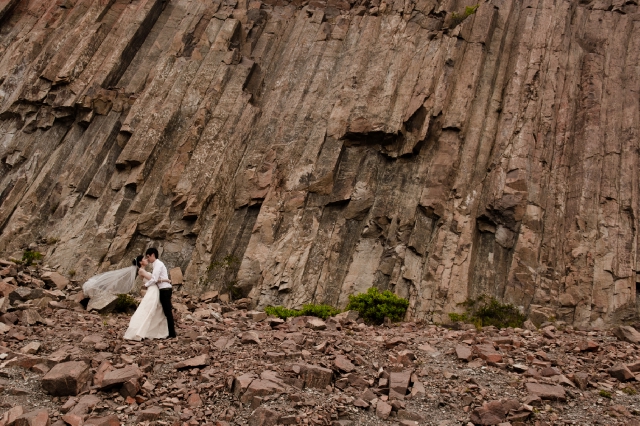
296 152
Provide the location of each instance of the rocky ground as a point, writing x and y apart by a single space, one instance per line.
60 364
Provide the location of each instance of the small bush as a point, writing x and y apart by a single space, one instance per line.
629 390
374 306
312 310
605 394
484 313
72 273
459 317
320 311
29 257
125 303
280 312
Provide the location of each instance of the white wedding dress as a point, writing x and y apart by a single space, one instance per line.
148 321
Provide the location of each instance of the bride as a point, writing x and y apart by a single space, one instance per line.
148 321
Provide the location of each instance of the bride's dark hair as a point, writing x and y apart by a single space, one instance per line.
136 261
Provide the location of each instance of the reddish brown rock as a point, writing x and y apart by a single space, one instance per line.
59 281
11 415
120 376
316 323
588 346
130 388
264 417
150 414
621 372
343 364
33 418
487 352
68 378
194 400
196 362
259 387
73 419
463 352
111 420
315 376
398 384
250 337
491 413
627 333
581 379
383 410
543 391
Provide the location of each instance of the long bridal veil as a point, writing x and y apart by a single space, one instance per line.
103 288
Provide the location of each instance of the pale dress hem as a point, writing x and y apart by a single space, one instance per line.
148 321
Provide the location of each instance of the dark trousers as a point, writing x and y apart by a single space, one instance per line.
165 301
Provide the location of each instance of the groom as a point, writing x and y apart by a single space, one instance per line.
157 276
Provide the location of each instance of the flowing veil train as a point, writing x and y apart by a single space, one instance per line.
101 288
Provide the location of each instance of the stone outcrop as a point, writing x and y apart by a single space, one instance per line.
295 152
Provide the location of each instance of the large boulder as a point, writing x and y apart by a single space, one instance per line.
627 333
67 378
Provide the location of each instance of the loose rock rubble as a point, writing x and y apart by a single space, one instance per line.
237 366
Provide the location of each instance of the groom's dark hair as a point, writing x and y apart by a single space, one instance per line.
152 250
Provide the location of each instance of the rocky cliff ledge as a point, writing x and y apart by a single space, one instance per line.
305 151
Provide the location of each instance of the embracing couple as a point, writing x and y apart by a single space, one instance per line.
154 318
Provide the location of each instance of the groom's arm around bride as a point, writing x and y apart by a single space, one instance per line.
160 277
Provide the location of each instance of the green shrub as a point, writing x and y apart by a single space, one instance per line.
312 310
125 303
459 317
483 312
605 394
280 312
29 257
374 306
320 311
629 390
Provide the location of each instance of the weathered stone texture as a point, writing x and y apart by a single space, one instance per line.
310 152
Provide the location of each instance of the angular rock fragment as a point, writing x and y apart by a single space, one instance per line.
68 378
150 414
383 410
398 384
621 372
250 337
59 281
120 376
627 333
196 362
111 420
33 418
343 364
315 376
263 416
259 387
316 324
544 391
463 352
487 352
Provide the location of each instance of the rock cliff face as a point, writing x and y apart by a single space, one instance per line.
305 151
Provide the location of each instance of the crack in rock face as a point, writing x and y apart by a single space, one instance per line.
300 152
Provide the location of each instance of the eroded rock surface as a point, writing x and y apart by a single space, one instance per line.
306 151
